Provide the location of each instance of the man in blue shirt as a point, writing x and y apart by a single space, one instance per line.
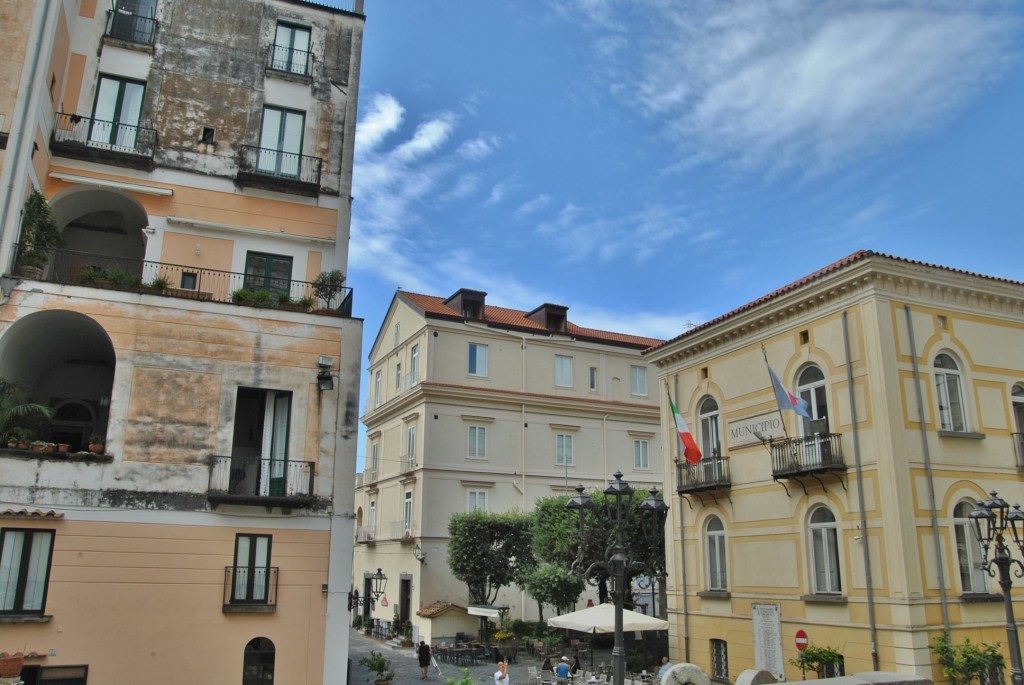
562 671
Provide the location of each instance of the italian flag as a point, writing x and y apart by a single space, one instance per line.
690 449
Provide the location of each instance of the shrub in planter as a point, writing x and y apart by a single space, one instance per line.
327 285
124 280
379 664
39 232
964 663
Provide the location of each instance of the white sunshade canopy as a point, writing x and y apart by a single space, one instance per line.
601 619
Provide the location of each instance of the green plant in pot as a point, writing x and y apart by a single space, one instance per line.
19 416
91 275
159 283
328 285
379 664
97 442
39 235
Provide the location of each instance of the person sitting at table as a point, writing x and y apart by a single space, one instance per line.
562 671
575 666
665 666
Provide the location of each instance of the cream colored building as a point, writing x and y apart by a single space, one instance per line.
850 526
472 406
198 157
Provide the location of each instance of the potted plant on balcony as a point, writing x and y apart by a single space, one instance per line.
122 280
39 234
19 417
327 285
11 664
97 441
379 664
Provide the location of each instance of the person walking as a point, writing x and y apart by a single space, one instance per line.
423 654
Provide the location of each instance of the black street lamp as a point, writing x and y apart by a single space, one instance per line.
615 563
379 582
991 518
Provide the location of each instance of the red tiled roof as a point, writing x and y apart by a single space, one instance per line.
501 317
31 513
436 609
831 268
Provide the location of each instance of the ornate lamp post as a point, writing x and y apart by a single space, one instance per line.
615 563
379 581
991 519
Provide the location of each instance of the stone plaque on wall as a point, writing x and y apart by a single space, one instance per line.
742 431
767 620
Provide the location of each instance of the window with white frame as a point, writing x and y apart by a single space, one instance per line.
414 366
968 551
398 333
410 447
477 442
714 534
563 371
563 449
949 388
116 113
811 388
398 376
710 438
593 378
638 380
252 569
477 359
641 454
24 569
719 661
407 514
291 49
378 387
476 500
371 524
281 142
374 460
824 552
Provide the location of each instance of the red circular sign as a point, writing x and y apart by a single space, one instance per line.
801 640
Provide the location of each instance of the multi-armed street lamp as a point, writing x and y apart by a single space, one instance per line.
615 564
379 581
991 519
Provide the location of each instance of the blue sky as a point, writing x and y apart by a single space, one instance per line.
657 163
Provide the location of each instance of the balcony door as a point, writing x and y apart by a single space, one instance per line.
269 272
252 568
281 142
274 479
116 113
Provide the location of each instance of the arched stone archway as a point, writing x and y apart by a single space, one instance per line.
101 220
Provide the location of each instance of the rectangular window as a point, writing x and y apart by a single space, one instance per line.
593 378
281 142
476 500
638 380
414 370
269 272
563 371
116 113
378 387
291 49
24 570
720 660
374 460
641 455
372 522
252 569
398 376
410 447
477 359
563 449
477 442
407 514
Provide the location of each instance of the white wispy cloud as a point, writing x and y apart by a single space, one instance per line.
533 205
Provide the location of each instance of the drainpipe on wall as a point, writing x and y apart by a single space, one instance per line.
682 540
928 471
860 499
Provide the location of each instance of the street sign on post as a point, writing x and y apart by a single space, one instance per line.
801 640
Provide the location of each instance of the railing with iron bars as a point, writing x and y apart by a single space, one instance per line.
404 530
132 27
74 130
364 535
212 285
250 585
287 166
807 454
290 60
1018 449
255 477
707 474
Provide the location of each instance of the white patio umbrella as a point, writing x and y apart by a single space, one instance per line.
601 619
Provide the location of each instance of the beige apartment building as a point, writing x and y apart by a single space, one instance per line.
850 525
188 514
473 406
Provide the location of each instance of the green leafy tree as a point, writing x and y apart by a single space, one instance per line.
818 660
39 231
553 584
964 663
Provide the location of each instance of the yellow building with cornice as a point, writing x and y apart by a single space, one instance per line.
848 527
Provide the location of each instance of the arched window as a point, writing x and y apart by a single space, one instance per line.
258 662
715 538
968 551
824 552
710 440
811 387
949 388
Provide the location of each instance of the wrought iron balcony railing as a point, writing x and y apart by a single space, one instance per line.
251 480
806 455
137 275
87 137
710 473
290 60
126 25
279 166
250 585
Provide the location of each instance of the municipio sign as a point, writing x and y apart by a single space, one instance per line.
801 640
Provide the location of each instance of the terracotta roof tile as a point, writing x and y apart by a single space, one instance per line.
31 513
502 317
831 268
437 608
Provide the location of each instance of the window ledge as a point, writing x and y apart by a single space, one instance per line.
714 594
969 435
25 618
81 457
250 608
980 597
825 599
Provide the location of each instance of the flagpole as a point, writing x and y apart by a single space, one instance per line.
771 383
